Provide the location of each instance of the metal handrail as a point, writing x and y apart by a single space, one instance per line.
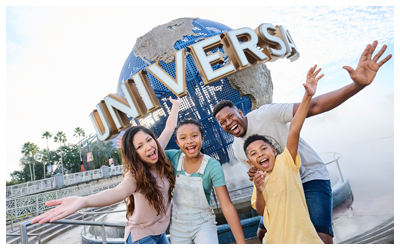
334 154
103 212
38 235
336 157
24 234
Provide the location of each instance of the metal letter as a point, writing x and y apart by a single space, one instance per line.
204 63
291 50
241 47
178 86
102 122
147 100
271 41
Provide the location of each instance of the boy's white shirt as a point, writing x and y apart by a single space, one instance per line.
270 120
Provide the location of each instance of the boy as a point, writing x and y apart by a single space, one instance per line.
278 193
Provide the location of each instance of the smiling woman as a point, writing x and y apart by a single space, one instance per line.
146 188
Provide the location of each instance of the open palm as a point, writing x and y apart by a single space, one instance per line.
66 207
367 69
312 80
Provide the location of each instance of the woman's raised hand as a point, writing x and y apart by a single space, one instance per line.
177 101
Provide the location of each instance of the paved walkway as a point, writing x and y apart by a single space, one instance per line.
345 227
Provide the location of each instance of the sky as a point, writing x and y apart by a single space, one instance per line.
61 61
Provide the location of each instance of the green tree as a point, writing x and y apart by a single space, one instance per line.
47 135
29 150
26 151
61 138
34 149
102 151
13 182
78 132
42 156
25 174
71 158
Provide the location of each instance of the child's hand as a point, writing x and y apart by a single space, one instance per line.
251 173
177 101
259 181
312 80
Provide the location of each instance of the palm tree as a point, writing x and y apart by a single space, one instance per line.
78 132
61 138
30 149
41 156
47 135
26 150
34 150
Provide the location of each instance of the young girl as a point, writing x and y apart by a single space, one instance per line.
193 219
146 188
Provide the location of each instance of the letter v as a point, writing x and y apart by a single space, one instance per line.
178 86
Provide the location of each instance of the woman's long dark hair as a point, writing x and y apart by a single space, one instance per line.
145 181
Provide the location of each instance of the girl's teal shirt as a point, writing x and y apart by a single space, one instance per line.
213 175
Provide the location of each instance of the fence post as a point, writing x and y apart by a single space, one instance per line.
37 205
59 178
105 172
12 224
103 234
24 232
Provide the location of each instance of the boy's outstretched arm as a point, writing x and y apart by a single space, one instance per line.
301 114
362 76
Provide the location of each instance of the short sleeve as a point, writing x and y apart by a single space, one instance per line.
217 174
295 165
171 153
173 156
277 111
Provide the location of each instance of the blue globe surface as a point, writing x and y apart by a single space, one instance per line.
199 101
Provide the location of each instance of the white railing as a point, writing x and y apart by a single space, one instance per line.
30 187
117 170
331 160
71 179
21 207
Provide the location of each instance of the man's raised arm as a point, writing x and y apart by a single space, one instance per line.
362 76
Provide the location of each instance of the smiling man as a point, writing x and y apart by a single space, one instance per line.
270 121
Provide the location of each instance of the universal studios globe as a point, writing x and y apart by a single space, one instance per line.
158 45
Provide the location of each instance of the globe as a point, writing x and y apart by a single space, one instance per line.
200 99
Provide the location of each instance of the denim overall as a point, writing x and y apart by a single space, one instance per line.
192 219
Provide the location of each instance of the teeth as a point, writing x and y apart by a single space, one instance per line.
152 153
263 160
234 127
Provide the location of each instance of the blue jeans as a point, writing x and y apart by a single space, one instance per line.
319 201
151 239
318 194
